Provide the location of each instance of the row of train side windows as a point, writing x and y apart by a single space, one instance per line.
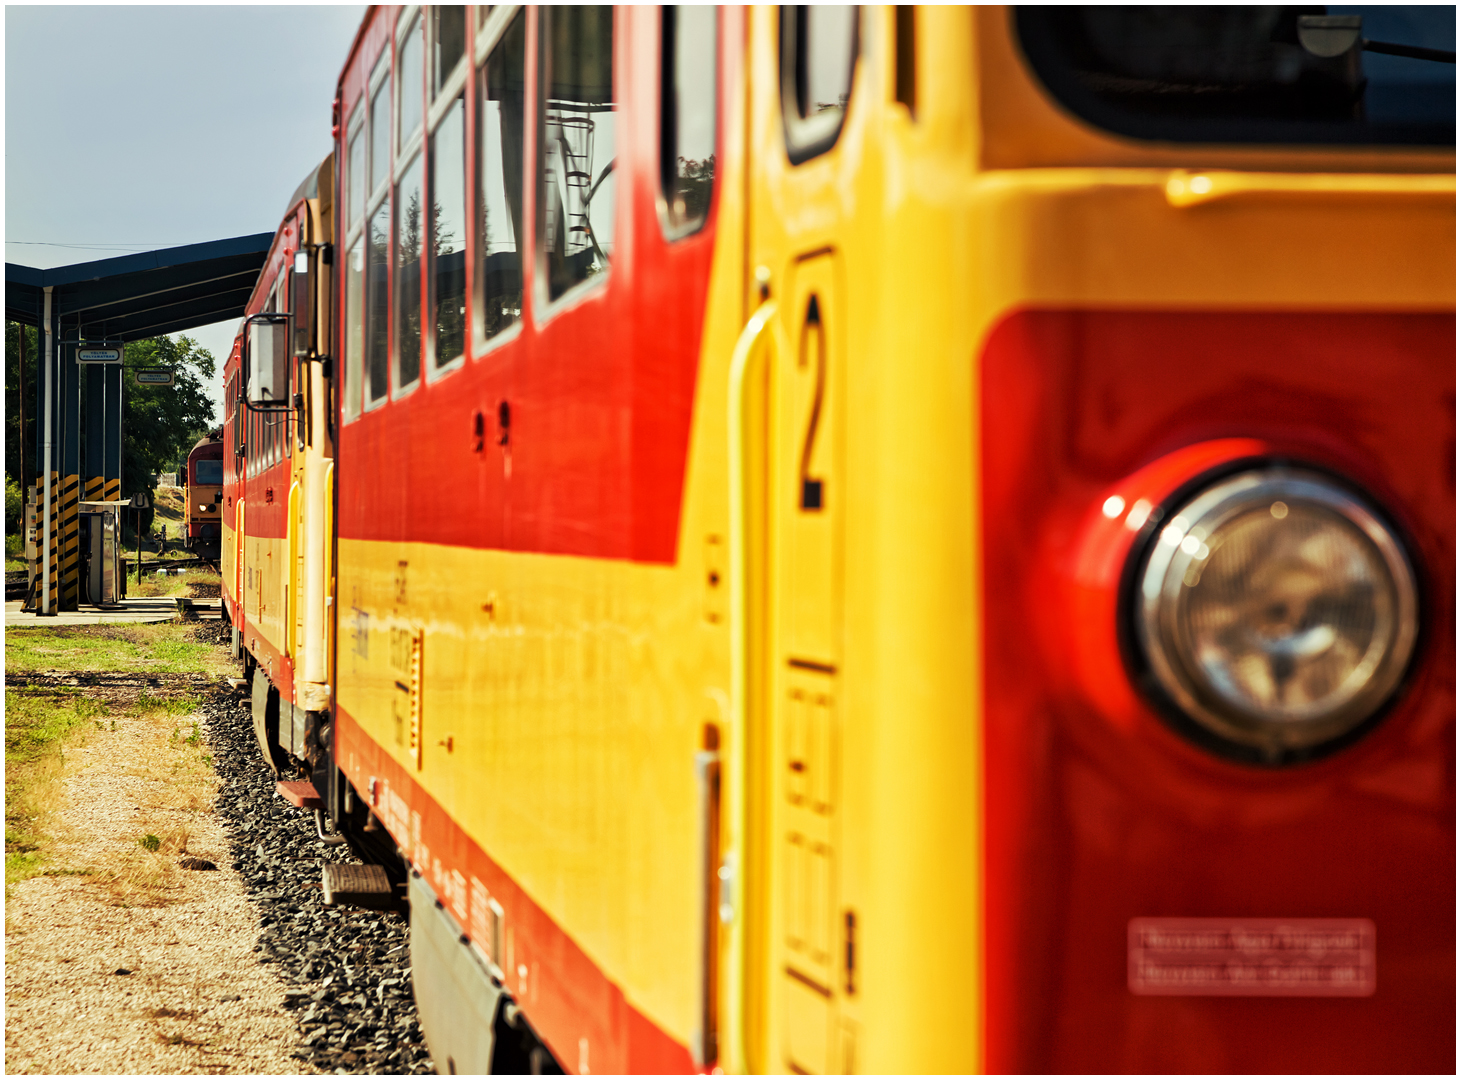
407 208
398 267
265 437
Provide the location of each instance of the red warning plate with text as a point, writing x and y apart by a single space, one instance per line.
1251 957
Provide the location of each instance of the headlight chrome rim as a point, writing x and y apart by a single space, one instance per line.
1175 545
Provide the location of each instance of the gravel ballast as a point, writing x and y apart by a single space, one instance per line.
346 971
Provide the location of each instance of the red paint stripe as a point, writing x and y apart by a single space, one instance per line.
276 665
568 997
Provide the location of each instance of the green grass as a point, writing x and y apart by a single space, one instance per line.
34 725
171 585
41 726
162 646
14 552
37 730
147 705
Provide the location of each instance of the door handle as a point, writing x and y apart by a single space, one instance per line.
759 332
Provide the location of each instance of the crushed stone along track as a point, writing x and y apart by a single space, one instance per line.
347 970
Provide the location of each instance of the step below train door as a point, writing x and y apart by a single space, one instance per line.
808 495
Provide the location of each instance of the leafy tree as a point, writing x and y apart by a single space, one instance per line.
14 507
160 424
17 442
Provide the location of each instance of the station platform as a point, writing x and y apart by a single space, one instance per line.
131 610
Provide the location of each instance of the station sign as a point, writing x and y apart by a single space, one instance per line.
153 376
98 355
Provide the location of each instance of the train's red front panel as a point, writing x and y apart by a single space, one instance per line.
1097 819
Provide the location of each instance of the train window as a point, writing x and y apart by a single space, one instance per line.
208 472
499 284
410 236
448 44
409 79
355 168
576 144
1250 74
819 47
356 192
354 327
380 122
448 247
377 314
687 115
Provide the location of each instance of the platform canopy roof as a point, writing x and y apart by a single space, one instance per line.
143 295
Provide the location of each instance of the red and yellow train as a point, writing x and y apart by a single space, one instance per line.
203 497
832 539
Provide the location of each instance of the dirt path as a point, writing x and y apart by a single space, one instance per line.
144 967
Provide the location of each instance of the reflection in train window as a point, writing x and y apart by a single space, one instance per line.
1244 73
818 52
447 249
577 144
408 76
410 235
448 43
380 122
499 291
687 114
355 167
377 313
354 327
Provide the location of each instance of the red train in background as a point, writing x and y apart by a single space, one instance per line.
203 497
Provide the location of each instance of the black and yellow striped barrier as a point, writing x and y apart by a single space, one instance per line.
50 556
70 543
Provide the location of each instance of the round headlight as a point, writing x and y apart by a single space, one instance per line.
1277 611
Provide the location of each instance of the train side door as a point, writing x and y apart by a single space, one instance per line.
798 1006
295 606
807 496
238 560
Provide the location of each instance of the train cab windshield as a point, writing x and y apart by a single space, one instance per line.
1335 74
208 472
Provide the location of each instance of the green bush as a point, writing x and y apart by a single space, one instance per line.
14 509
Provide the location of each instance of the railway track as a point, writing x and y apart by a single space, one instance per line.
17 581
114 687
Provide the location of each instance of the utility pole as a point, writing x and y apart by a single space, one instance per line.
24 465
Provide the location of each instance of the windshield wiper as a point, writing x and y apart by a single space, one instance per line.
1329 36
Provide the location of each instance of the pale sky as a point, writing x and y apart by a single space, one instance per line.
134 128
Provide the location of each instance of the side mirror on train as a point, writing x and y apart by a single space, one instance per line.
266 359
301 305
